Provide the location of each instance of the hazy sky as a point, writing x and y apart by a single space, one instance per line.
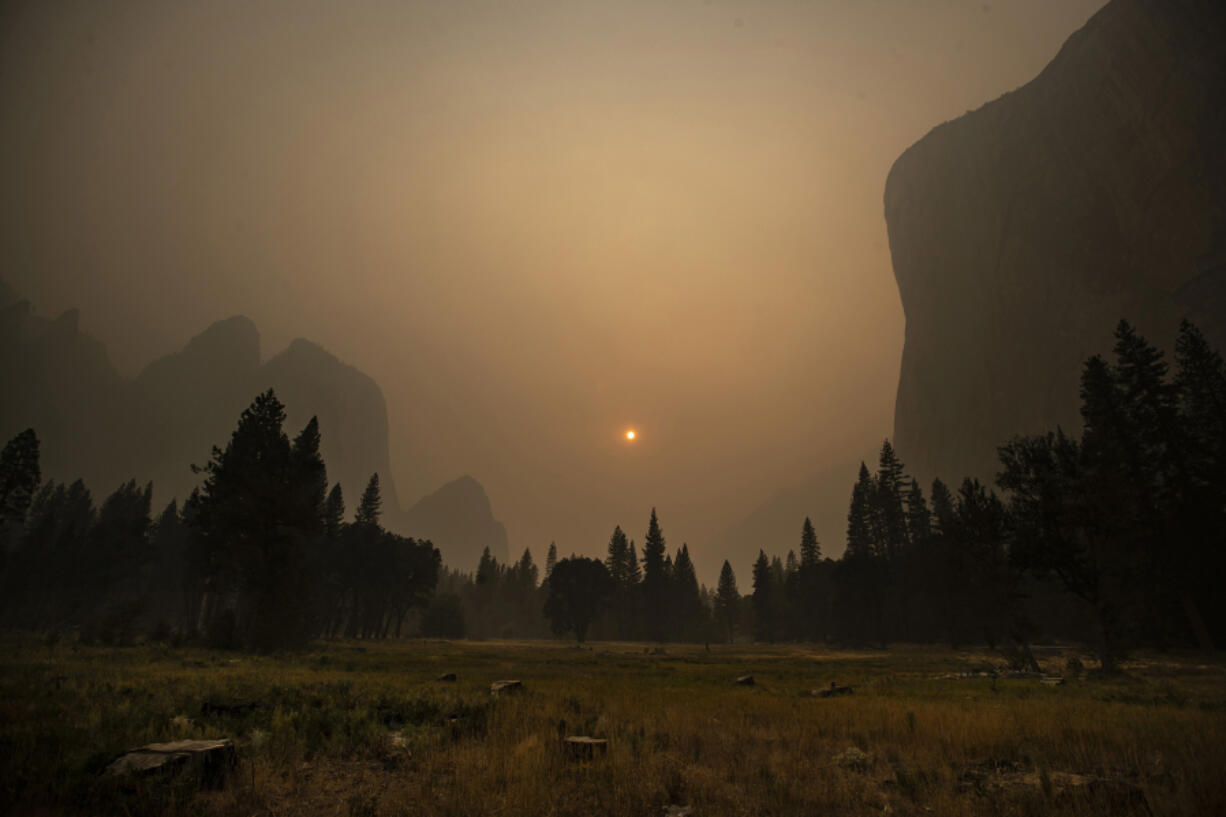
535 224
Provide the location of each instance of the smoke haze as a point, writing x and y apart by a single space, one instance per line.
535 225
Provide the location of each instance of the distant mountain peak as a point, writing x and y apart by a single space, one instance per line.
460 521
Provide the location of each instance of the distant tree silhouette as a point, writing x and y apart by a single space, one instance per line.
578 589
370 507
765 599
657 569
688 615
551 559
727 603
860 515
811 593
623 569
20 477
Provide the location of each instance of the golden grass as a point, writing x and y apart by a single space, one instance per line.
364 729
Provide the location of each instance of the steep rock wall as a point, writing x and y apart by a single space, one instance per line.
1023 231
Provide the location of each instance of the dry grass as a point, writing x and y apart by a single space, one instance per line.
355 729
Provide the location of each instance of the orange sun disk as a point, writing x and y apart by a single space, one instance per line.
631 434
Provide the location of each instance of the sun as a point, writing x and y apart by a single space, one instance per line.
631 435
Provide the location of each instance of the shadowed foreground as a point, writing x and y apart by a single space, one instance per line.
366 729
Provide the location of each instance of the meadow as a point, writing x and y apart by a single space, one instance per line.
363 729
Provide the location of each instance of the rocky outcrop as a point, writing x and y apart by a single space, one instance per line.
59 381
352 417
1023 231
96 425
460 522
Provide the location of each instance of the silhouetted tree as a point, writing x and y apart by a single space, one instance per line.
657 569
860 515
578 589
727 603
765 599
258 511
20 477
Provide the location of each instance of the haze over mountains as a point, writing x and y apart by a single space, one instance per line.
531 242
532 224
97 425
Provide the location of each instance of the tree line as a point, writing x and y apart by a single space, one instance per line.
260 556
1113 537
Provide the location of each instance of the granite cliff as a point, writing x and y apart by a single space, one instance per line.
1023 231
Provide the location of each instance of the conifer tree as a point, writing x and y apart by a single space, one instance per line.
20 477
809 603
687 600
656 569
370 507
765 592
810 551
551 559
334 512
889 516
859 515
727 603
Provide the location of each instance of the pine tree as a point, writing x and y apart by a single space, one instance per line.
687 601
551 559
942 507
727 603
526 572
859 516
20 477
256 513
890 519
1196 559
634 572
371 504
810 551
919 519
809 603
334 511
655 586
764 599
616 561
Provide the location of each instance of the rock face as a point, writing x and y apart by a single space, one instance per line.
60 382
1023 231
460 522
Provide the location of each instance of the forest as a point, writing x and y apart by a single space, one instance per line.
1112 537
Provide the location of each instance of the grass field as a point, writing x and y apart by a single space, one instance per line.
365 729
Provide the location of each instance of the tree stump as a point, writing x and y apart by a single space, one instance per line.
745 681
211 761
585 748
832 691
500 687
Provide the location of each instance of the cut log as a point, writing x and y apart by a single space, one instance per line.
745 680
446 676
832 691
500 687
1052 681
584 748
209 760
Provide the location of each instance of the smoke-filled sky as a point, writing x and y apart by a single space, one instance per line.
535 224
